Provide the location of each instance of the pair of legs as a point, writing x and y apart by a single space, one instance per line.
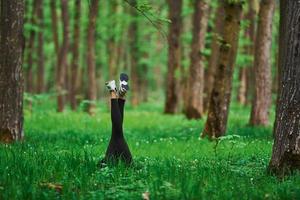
117 149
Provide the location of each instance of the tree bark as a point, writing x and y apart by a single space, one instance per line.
286 149
220 98
40 86
174 56
212 64
194 109
62 60
262 67
11 80
91 62
75 60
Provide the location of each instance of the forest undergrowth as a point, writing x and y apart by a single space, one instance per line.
58 158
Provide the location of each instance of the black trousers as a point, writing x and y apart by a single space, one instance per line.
117 148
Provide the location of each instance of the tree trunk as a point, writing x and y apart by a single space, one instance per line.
194 109
212 64
134 57
286 149
246 75
262 67
220 98
251 34
40 86
29 50
174 55
143 78
62 60
91 62
11 80
112 44
242 95
54 27
75 60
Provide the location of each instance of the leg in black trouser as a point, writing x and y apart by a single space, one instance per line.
118 148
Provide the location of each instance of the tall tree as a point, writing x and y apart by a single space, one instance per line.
91 63
62 60
134 55
246 72
11 80
112 43
29 50
286 148
212 64
194 109
174 55
40 86
54 26
220 98
262 67
75 52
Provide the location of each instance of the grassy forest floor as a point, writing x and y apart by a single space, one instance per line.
58 159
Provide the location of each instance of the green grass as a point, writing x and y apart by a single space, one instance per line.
171 162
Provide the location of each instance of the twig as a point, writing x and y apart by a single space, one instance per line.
148 18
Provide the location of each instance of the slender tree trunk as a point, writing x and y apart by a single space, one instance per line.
194 109
174 56
112 44
62 60
220 98
40 86
91 62
286 148
262 67
11 80
212 64
245 89
134 57
30 46
158 68
143 78
242 94
75 52
54 27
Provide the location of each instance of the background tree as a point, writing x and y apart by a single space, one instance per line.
91 63
134 54
195 87
40 86
29 50
75 54
286 149
246 71
216 122
62 59
11 80
212 63
262 66
112 43
54 24
174 55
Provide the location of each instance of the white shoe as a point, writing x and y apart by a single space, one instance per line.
111 86
123 88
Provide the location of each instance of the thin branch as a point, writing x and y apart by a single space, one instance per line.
162 32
